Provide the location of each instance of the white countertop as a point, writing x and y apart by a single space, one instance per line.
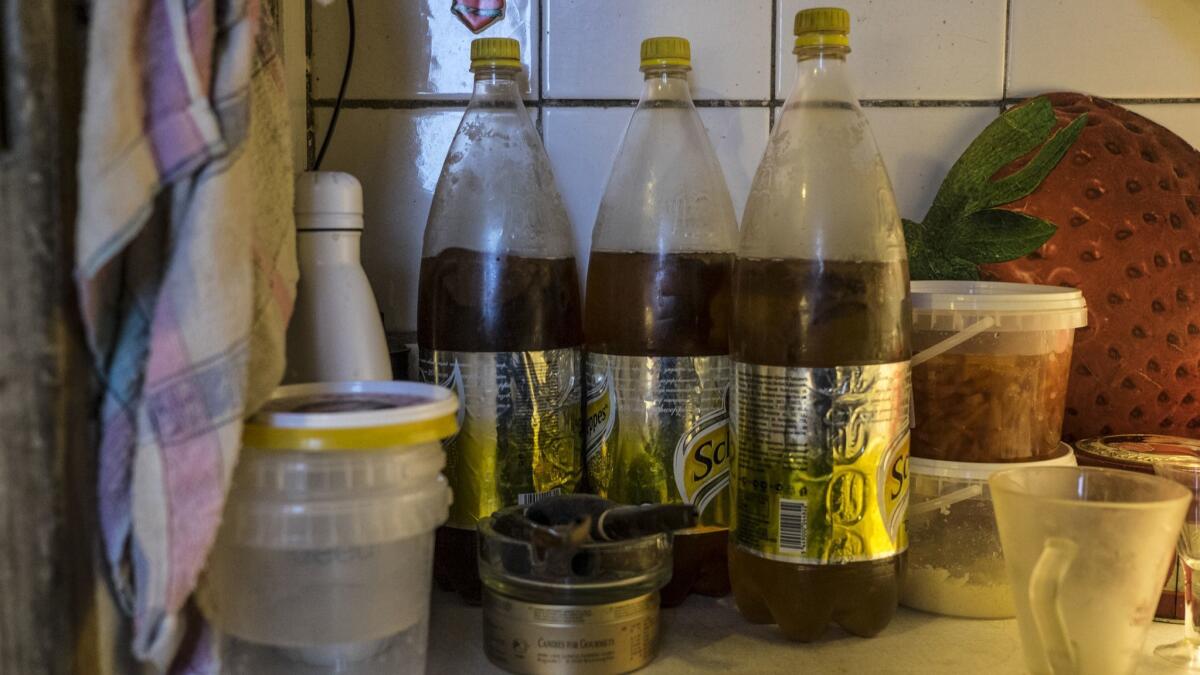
706 635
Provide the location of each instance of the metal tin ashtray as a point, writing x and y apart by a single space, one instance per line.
591 609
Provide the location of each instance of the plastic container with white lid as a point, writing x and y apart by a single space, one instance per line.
990 368
955 563
952 305
323 558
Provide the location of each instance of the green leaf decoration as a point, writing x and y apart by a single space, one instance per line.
1026 180
999 235
963 229
1011 135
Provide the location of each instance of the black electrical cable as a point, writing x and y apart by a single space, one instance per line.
337 106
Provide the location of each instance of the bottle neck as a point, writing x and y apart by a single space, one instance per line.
496 84
821 74
822 53
666 84
328 247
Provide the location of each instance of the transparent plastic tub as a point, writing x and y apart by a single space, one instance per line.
990 369
955 563
322 563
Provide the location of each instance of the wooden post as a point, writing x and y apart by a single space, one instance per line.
46 478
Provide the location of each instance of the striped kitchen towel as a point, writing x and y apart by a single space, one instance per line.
186 271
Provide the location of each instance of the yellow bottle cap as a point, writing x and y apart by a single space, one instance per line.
820 26
666 51
495 52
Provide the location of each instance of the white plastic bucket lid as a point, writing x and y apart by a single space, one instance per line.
980 471
352 416
354 404
951 305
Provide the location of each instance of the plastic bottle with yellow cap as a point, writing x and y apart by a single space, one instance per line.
656 322
495 53
498 315
821 351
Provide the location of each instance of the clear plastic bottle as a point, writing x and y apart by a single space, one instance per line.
656 322
498 317
821 349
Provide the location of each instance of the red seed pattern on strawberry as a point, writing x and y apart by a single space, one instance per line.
1126 199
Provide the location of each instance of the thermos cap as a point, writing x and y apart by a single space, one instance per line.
332 193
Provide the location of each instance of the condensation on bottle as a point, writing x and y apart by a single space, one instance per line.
821 348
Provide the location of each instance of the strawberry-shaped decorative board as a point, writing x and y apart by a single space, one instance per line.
1118 218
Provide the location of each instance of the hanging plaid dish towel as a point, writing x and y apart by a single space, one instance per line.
186 271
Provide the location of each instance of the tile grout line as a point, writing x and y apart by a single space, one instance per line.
309 103
1152 100
773 65
542 6
416 104
1004 58
928 103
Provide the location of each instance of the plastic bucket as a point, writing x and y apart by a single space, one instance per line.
990 368
326 544
955 563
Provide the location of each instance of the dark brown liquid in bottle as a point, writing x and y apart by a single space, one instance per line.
472 301
810 313
650 304
675 304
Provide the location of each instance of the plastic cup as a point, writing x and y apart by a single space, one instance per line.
1085 549
1185 471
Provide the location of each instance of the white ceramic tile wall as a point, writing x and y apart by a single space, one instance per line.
1114 48
397 155
920 144
739 136
291 20
932 73
914 49
409 49
582 161
1182 118
591 48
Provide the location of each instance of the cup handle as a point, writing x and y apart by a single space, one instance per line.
1044 585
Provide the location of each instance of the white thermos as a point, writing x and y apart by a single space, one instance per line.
336 333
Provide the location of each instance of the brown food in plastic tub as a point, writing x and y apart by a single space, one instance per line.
990 369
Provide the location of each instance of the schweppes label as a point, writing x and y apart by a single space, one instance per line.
657 431
601 413
821 468
893 485
702 460
519 429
